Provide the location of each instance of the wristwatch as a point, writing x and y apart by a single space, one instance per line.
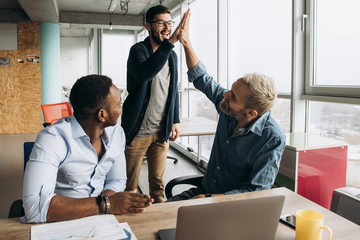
207 194
107 204
100 203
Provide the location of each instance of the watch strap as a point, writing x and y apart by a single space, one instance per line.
100 203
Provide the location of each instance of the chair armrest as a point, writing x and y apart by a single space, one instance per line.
191 179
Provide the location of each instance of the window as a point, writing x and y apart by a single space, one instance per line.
281 113
260 40
203 35
340 122
115 52
332 46
333 36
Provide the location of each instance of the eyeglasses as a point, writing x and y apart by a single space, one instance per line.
162 23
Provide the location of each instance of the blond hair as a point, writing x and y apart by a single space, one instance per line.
262 92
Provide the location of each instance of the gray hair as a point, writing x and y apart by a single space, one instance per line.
262 92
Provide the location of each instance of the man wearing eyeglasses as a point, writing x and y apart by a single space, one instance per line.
151 110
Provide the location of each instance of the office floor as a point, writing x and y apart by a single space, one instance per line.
12 165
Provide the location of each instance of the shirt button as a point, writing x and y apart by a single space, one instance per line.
214 181
217 167
227 142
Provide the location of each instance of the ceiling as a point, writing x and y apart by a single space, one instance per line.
77 17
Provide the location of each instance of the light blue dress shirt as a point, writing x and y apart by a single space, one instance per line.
63 162
246 161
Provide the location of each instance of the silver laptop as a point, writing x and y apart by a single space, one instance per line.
247 219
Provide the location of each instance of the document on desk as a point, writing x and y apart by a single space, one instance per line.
94 227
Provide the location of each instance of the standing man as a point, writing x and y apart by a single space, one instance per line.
151 111
76 168
248 143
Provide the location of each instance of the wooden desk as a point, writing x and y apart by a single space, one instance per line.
163 215
197 126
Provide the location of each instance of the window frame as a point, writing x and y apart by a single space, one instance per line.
343 94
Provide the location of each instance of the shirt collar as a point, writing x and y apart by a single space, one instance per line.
257 127
78 131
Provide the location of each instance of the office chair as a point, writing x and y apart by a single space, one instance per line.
53 112
168 157
194 180
16 208
346 203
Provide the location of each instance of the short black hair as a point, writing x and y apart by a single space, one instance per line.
150 14
88 95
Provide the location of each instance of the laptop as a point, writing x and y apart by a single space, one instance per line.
247 219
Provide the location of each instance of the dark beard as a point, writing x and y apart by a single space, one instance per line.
225 108
155 38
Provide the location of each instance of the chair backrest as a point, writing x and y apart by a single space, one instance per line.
53 112
27 150
346 202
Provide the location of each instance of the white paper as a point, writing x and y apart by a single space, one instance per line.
94 227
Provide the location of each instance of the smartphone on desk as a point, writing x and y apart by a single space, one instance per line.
288 219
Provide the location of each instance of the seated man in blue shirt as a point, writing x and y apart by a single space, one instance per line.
248 143
77 166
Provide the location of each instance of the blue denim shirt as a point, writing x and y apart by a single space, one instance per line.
246 161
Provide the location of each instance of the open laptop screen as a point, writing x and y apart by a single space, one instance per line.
255 218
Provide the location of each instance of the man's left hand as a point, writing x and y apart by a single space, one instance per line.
175 132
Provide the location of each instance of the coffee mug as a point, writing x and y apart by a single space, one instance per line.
309 225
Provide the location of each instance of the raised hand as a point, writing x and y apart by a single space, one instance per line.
184 31
175 37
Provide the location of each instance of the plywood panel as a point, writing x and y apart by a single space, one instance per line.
20 86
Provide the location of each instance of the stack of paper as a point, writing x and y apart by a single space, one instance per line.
94 227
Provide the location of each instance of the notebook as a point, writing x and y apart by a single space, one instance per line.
255 218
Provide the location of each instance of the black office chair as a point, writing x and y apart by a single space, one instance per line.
168 157
194 180
346 203
16 208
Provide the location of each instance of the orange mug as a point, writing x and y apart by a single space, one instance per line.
309 225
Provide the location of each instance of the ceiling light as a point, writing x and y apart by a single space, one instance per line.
112 5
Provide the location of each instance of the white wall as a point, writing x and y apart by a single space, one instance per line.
8 36
74 60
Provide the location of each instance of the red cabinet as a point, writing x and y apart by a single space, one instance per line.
313 166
